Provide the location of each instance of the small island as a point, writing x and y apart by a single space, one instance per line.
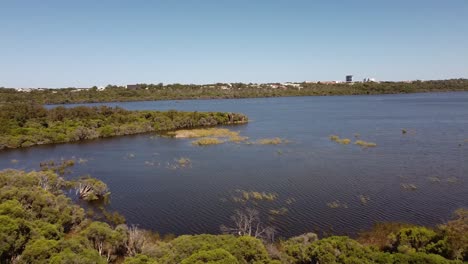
25 125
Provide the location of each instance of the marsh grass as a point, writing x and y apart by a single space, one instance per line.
337 204
337 139
209 136
207 141
409 186
271 141
82 161
365 144
14 161
279 211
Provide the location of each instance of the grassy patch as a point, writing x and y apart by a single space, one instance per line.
452 180
207 141
14 161
205 132
365 144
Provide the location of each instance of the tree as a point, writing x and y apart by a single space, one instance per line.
247 223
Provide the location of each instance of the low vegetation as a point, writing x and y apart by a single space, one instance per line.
25 125
409 186
40 224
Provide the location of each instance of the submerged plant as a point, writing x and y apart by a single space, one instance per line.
337 204
279 211
364 199
409 186
434 179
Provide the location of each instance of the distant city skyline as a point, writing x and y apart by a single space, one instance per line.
84 43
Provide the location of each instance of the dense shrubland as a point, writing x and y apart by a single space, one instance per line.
25 125
151 92
40 224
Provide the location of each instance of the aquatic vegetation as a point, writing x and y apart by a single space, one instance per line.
290 201
279 152
14 161
184 162
451 180
207 141
337 139
364 199
271 141
337 204
409 186
254 196
82 161
279 211
357 135
204 132
365 144
434 179
404 131
130 156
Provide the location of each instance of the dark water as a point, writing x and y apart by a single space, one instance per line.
310 171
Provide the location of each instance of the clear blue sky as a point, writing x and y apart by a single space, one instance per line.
89 42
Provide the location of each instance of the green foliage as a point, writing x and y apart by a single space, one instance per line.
215 256
25 125
140 259
413 239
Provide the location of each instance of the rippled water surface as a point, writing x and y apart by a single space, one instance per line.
307 174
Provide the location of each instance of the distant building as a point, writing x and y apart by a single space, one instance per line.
133 86
349 78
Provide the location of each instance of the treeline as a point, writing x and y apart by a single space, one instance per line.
24 125
40 224
153 92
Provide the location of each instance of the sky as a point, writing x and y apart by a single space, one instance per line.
61 43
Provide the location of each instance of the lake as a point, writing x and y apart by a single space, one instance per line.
320 185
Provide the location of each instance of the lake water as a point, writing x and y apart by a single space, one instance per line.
307 174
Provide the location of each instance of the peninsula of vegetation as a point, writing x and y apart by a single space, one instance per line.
24 125
152 92
40 224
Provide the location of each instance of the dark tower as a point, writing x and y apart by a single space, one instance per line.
349 78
